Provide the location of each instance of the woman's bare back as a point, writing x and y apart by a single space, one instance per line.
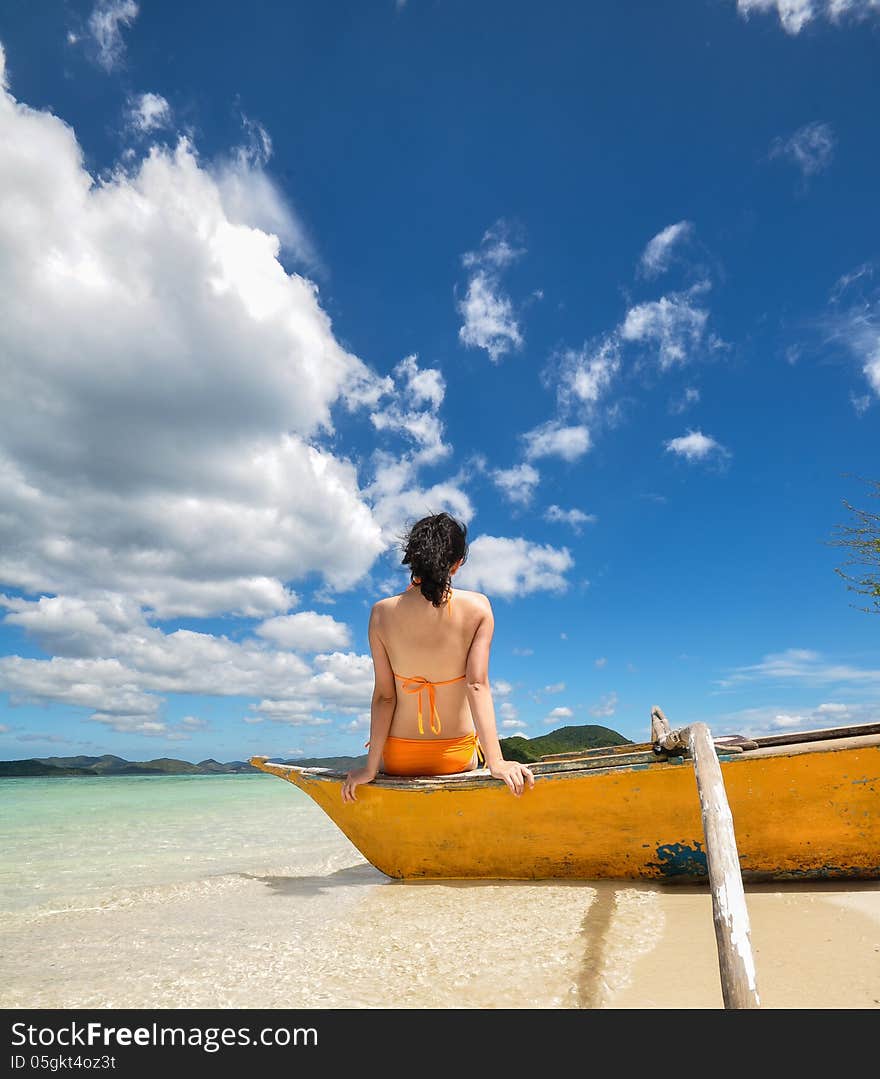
425 641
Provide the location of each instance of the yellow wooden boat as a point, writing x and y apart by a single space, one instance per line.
805 806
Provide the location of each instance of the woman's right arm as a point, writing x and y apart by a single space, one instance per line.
479 693
382 709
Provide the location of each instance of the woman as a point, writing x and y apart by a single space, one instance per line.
430 646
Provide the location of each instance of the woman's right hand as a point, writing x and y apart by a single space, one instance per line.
353 780
514 774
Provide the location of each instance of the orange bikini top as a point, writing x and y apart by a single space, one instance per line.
418 684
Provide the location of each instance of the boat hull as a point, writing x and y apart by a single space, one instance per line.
800 812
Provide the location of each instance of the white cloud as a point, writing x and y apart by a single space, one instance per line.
359 723
514 567
490 321
767 719
148 112
4 728
691 396
124 692
552 439
509 712
398 499
848 279
194 723
305 632
802 666
423 427
606 707
159 418
695 446
574 517
523 651
518 483
658 251
557 714
500 688
497 249
555 687
586 374
858 330
674 324
422 383
513 724
811 148
794 15
106 23
251 197
601 661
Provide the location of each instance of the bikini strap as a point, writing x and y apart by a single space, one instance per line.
418 684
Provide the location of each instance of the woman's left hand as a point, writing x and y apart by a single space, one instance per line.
354 779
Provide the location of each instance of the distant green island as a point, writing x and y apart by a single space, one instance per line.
525 750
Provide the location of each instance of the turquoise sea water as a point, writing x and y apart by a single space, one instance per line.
239 892
76 841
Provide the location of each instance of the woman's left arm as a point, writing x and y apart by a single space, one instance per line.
381 711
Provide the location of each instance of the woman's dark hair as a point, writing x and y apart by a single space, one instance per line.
431 548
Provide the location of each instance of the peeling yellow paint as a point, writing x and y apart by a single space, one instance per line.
796 813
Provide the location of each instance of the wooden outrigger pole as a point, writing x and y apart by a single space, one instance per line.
732 933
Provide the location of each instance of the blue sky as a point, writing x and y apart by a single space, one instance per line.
602 280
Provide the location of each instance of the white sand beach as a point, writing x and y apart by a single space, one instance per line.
238 892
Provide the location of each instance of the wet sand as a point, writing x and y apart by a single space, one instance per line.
351 938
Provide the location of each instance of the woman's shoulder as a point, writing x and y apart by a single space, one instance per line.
477 599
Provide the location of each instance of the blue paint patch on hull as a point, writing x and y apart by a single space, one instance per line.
680 860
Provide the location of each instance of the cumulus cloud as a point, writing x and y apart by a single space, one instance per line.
517 484
658 251
555 687
305 632
420 384
586 374
125 692
606 707
794 15
148 112
106 23
574 517
601 661
553 439
508 567
513 724
251 197
811 148
489 319
164 388
421 426
695 446
556 715
675 325
398 499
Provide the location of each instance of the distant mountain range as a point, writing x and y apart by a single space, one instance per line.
518 749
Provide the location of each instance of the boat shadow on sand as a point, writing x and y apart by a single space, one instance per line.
604 902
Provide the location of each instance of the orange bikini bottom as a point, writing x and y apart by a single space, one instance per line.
429 756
